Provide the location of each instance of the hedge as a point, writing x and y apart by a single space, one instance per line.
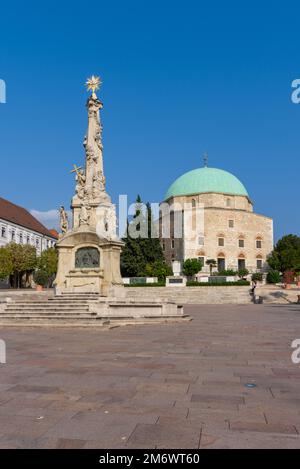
239 283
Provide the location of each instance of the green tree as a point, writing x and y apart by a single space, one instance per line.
211 263
286 254
191 267
143 249
6 263
159 269
48 262
23 260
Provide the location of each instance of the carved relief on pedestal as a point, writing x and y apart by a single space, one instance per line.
84 215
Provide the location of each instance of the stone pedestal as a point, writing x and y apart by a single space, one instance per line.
88 263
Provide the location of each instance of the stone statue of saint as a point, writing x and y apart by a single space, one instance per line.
80 183
84 215
64 223
111 222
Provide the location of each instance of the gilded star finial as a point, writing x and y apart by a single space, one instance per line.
93 84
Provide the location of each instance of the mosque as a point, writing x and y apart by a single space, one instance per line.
230 233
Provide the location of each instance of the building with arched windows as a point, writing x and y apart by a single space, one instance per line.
230 232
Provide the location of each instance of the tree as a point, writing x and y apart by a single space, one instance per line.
212 263
48 262
142 249
191 267
23 261
159 269
6 263
286 254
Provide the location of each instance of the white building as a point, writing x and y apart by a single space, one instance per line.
19 226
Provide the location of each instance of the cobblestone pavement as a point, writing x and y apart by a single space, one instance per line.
162 386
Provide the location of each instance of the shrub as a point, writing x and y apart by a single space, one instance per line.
40 277
289 276
243 273
273 276
191 267
258 276
227 273
239 283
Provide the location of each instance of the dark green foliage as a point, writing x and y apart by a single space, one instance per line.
227 273
191 267
157 284
40 277
286 254
257 277
222 284
243 273
212 263
273 276
158 269
142 255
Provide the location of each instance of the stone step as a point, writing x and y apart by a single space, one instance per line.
41 312
46 308
52 322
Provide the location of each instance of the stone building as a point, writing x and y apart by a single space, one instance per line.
230 232
19 226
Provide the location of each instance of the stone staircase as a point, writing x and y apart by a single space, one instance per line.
65 310
77 310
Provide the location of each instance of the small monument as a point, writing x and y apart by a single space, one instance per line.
89 251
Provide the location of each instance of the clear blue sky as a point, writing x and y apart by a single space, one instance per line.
179 78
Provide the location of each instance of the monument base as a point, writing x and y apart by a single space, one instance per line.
88 264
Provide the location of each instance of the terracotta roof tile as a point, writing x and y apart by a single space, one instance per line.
20 216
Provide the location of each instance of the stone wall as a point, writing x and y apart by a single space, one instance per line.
193 295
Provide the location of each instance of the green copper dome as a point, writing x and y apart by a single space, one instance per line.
205 179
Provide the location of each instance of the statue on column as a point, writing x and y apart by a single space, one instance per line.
64 222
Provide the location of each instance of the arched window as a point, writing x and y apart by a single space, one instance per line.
258 242
221 261
241 242
241 261
193 203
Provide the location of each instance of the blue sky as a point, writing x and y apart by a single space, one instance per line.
179 79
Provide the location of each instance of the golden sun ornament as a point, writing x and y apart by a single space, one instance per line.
93 84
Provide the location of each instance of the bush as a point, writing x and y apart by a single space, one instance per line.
159 269
157 284
257 277
273 276
191 267
227 273
243 273
40 277
239 283
289 277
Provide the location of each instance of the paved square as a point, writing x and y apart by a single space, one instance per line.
162 386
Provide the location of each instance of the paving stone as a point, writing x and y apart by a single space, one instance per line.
263 427
166 436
